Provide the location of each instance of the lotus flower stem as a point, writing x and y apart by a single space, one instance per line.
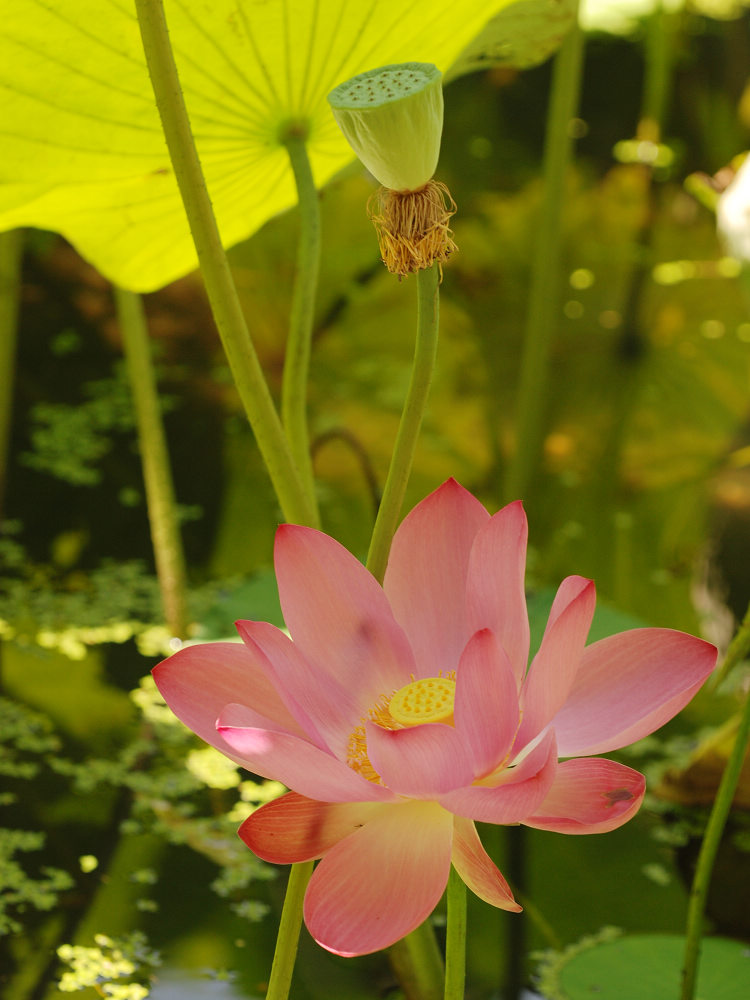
425 352
157 476
707 856
296 503
417 963
543 296
455 941
289 928
11 244
297 358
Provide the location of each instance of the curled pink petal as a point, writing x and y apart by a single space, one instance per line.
420 762
294 828
486 705
198 681
510 802
495 593
323 708
338 615
590 795
477 868
629 685
375 886
555 666
295 762
426 576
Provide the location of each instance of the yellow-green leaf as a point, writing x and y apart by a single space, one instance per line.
82 151
523 35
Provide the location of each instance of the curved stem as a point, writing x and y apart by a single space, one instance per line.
297 358
425 352
157 476
296 503
455 940
545 277
417 963
11 246
739 650
352 442
289 928
707 856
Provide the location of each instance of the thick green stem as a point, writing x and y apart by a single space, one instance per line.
707 856
659 56
289 928
11 244
418 966
297 358
296 503
544 304
425 352
455 940
157 476
739 650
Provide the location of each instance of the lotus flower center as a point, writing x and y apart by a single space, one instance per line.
427 700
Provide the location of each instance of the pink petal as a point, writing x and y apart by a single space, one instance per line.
377 885
422 761
495 585
330 712
198 681
554 669
512 801
590 795
529 762
338 615
477 869
486 705
294 828
426 576
629 685
295 762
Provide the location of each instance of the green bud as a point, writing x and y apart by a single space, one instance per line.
393 120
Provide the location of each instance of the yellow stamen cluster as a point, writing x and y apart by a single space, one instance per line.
427 700
412 226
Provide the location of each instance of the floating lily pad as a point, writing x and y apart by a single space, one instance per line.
646 967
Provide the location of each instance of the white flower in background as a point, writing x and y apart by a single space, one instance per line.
733 214
620 17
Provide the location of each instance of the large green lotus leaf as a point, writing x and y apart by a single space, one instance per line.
521 36
81 144
647 967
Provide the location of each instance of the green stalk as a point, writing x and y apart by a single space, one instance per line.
425 351
455 940
544 304
296 503
297 358
157 476
287 940
415 959
707 856
417 964
11 245
659 57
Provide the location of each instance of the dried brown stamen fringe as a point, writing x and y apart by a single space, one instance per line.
412 226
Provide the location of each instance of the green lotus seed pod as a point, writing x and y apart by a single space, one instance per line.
393 120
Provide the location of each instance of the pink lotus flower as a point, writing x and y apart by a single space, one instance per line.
400 715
